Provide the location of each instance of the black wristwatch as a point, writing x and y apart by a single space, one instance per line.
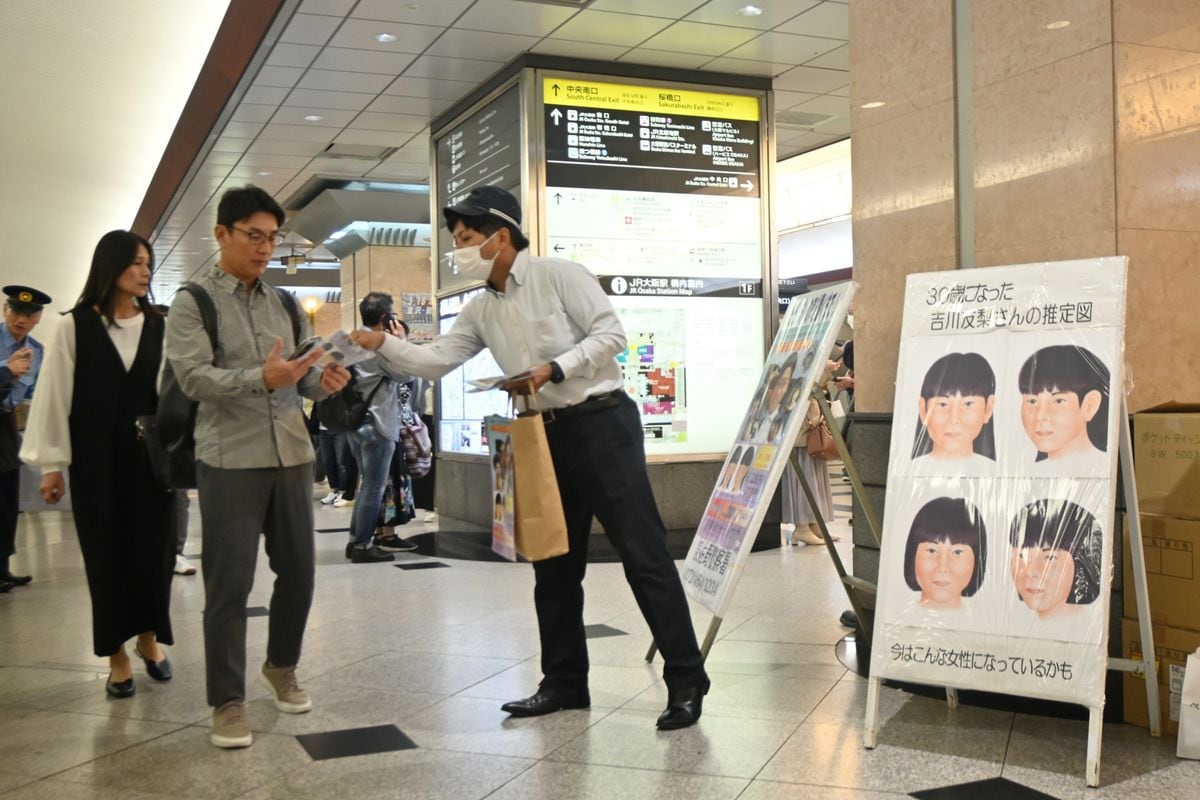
556 373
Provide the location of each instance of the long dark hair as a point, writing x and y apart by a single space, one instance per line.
1069 368
1063 525
114 253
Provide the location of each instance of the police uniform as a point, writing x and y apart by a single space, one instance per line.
14 390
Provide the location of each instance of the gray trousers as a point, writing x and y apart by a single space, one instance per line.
236 505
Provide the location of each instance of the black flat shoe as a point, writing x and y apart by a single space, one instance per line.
16 580
159 670
546 702
120 690
5 586
683 707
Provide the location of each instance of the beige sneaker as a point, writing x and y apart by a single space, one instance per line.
289 697
229 726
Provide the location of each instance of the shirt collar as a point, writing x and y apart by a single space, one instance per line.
228 282
519 268
7 338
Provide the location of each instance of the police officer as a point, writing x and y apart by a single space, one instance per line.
20 359
547 322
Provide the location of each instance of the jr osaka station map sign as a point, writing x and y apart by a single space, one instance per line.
657 190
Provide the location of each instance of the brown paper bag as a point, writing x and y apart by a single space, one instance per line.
541 526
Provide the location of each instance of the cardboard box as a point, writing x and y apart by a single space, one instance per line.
1172 646
1166 457
1172 550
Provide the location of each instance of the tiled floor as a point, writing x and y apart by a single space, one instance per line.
435 652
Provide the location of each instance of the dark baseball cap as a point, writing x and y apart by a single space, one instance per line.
26 299
489 201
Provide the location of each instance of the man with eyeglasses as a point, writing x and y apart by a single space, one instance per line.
254 456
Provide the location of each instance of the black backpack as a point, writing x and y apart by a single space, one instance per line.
345 410
170 433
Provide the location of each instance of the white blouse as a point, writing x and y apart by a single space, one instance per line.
47 442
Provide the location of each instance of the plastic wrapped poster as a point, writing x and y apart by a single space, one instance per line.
764 440
999 519
499 436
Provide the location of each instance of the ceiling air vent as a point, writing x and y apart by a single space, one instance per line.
799 120
371 151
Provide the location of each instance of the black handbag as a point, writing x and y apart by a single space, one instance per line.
346 410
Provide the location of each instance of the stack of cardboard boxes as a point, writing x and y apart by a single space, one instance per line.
1166 456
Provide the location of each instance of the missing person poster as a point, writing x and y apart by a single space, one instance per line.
999 521
764 440
499 441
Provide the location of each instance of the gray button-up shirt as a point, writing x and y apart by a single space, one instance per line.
240 423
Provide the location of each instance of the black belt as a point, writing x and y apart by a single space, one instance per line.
600 402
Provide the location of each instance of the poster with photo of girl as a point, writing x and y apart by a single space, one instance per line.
747 479
499 436
996 566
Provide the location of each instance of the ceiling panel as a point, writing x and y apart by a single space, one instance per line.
745 66
360 34
295 116
827 104
673 9
337 81
374 121
417 173
665 58
724 12
309 29
272 161
265 95
242 130
784 48
284 147
373 137
834 59
844 90
424 106
230 144
785 100
342 58
343 166
299 133
831 20
253 112
602 27
812 79
515 16
696 37
429 87
501 47
278 76
317 98
458 69
430 12
337 8
292 55
562 47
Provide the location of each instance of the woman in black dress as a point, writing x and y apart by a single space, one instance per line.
100 373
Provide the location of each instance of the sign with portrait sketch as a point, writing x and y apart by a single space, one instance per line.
765 438
999 521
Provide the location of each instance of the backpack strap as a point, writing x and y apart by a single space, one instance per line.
207 309
289 302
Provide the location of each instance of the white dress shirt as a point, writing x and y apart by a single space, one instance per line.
47 442
552 310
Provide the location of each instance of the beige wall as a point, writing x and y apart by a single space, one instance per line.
1086 142
379 268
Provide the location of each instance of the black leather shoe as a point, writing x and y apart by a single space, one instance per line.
16 580
683 707
159 670
120 690
546 702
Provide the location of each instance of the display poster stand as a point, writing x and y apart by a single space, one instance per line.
1145 667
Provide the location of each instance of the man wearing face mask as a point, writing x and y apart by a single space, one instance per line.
549 324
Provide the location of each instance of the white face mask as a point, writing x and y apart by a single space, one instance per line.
471 264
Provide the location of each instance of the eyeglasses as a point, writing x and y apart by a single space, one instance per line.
258 237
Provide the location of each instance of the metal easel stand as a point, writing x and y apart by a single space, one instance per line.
1146 666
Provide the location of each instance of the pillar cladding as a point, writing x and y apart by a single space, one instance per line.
1072 131
383 268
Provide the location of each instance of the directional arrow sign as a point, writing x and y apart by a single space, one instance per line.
748 185
558 248
555 88
558 198
556 115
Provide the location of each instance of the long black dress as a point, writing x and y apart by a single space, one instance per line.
125 521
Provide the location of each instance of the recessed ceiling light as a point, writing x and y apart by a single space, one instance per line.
413 6
1062 23
385 37
263 174
749 11
313 118
874 104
